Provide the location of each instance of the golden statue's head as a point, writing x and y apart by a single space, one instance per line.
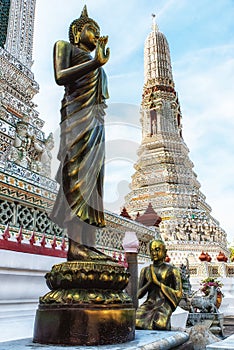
78 24
158 250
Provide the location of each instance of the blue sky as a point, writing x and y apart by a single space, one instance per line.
201 40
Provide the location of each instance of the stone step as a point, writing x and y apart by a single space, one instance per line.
147 340
226 344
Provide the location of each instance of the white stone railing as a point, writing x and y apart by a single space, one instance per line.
30 176
212 269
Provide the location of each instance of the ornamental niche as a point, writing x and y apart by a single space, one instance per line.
29 152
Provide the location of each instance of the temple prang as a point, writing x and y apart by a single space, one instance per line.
164 174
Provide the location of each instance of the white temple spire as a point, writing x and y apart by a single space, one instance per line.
164 173
157 61
19 40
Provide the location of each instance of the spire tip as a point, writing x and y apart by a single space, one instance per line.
154 25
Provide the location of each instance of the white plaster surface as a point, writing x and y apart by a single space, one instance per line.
22 282
179 318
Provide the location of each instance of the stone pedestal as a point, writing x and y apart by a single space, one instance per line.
86 305
131 246
84 325
131 288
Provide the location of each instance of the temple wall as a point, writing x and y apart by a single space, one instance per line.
224 272
22 283
227 305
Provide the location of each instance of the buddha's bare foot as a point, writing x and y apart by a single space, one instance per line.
77 251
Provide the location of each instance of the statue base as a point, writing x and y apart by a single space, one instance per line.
87 305
82 325
217 320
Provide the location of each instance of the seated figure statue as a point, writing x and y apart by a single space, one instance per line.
162 282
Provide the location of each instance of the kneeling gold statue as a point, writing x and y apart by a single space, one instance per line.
163 284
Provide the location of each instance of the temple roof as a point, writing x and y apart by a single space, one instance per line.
149 218
125 214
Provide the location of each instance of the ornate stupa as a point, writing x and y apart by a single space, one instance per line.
164 174
27 190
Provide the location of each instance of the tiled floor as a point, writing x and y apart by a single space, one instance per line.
228 325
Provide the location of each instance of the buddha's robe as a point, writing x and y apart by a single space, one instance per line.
82 149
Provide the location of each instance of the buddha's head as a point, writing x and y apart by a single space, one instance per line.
84 31
158 250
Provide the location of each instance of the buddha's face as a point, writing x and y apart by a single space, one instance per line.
157 251
89 36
